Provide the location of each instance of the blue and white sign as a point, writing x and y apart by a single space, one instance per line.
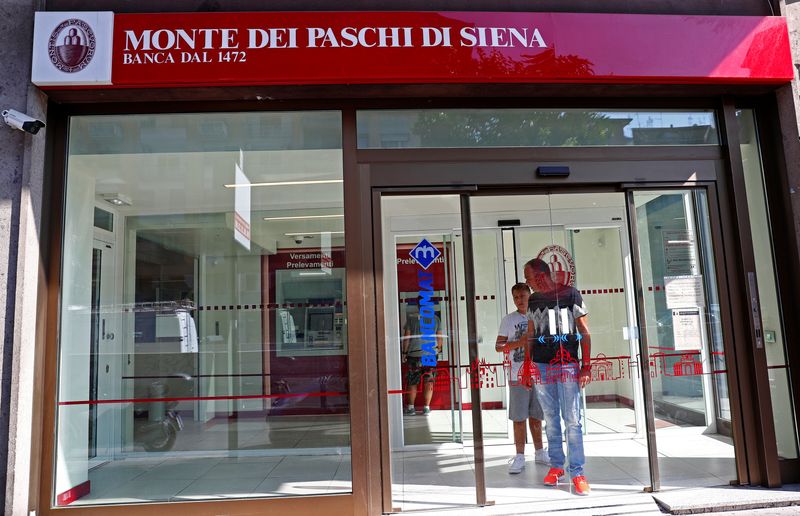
424 253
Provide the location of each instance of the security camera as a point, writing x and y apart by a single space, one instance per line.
298 239
22 121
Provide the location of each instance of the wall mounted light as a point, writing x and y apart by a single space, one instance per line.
286 183
117 199
315 233
306 217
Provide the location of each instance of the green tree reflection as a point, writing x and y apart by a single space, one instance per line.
518 127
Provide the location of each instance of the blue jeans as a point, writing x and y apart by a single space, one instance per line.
562 400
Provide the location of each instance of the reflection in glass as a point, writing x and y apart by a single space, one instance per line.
428 128
771 309
203 338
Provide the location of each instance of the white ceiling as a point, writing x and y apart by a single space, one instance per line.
193 182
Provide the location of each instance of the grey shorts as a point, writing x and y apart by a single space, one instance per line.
523 404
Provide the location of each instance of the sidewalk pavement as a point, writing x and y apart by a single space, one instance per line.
726 500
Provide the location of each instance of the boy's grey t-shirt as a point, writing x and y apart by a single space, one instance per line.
513 327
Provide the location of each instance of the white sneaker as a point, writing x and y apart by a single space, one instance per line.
541 457
516 465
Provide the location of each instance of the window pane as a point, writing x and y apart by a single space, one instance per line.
430 128
203 336
758 207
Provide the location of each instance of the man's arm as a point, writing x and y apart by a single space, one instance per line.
582 326
404 343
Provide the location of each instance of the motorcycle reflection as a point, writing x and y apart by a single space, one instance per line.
157 422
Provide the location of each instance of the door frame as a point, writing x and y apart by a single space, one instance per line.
105 424
463 171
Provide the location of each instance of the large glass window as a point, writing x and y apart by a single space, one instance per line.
771 309
203 334
431 128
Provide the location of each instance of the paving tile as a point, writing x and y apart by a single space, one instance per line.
211 488
291 487
183 469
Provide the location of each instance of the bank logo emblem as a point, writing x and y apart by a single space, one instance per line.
71 46
561 263
424 253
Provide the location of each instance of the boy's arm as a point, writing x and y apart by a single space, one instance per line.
503 344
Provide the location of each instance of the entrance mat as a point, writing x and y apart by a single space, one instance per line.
597 504
727 498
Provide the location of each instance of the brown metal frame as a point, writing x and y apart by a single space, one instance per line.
785 248
754 362
362 370
366 169
389 173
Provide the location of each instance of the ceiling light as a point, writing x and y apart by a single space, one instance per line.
287 183
117 199
315 233
303 217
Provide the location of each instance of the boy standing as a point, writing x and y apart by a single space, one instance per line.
523 404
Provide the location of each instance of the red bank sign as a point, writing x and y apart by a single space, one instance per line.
196 49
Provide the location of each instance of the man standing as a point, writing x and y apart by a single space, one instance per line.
411 349
557 326
522 405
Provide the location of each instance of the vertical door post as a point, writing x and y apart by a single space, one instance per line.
472 343
644 353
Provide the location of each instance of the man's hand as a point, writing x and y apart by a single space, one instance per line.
585 377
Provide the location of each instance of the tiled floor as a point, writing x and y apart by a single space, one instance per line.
616 463
146 479
445 478
296 456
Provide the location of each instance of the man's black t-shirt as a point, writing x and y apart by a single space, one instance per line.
553 315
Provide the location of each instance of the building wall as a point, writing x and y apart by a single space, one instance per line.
789 107
21 195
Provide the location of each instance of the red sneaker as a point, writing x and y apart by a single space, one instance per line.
581 486
551 479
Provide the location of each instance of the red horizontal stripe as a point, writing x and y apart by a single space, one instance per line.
205 398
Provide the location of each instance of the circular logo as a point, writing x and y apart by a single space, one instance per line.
561 264
71 46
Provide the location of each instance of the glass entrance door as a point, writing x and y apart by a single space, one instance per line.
427 366
682 331
583 318
443 455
